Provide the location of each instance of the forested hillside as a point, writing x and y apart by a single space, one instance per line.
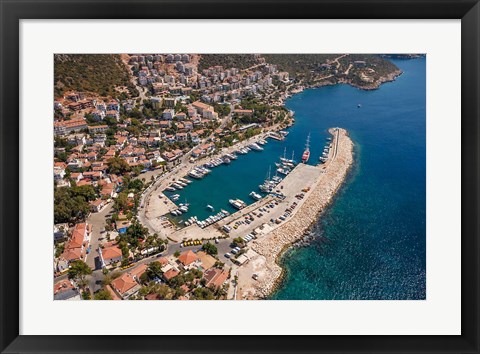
240 61
98 73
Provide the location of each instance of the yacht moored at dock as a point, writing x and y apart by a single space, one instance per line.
255 147
255 196
306 153
237 203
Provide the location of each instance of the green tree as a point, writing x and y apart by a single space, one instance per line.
86 191
71 204
203 294
164 291
210 248
78 271
136 184
136 231
103 295
121 202
117 165
154 270
237 241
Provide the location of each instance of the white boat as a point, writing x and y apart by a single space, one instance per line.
237 203
266 186
276 179
284 158
195 174
184 208
255 196
203 169
255 147
209 207
171 189
283 171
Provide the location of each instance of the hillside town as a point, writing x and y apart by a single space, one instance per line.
103 147
114 154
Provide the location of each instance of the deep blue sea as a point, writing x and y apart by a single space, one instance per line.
370 243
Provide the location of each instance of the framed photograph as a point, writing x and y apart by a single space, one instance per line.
271 176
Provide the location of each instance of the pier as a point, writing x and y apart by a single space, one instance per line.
327 178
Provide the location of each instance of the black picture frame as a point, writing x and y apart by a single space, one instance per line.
13 11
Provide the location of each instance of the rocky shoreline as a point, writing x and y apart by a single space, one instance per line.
368 87
274 244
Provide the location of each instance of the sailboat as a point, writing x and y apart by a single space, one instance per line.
266 186
306 153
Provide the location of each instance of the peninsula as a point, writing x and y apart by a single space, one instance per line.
319 195
134 132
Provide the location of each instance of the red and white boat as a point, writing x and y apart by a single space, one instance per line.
306 153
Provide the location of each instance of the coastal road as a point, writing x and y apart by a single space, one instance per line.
336 60
94 280
97 220
254 66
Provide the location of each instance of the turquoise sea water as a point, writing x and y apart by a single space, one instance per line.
370 244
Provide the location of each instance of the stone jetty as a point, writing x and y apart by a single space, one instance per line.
278 240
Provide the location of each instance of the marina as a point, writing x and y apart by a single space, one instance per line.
302 184
237 215
234 174
257 171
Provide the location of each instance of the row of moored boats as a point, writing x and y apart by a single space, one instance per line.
182 209
179 184
208 221
326 151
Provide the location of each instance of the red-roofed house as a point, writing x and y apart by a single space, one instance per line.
109 255
125 285
215 277
75 248
64 290
169 274
138 271
112 293
189 260
97 205
108 190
